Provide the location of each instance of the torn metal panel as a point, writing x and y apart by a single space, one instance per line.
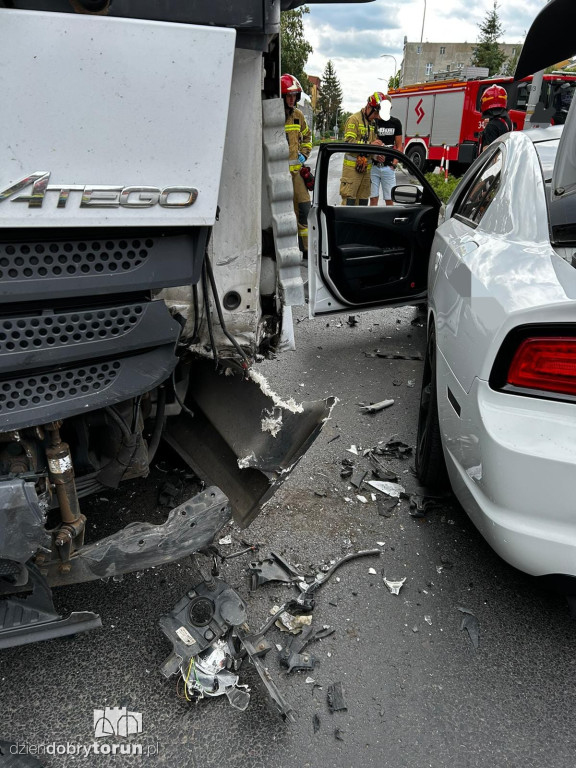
188 528
225 444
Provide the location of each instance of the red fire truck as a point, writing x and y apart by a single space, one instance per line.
442 119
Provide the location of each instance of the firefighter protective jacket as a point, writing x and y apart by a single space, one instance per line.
358 130
299 138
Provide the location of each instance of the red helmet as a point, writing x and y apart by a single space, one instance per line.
290 84
493 97
376 98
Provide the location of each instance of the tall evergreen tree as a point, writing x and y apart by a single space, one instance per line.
330 98
487 52
294 48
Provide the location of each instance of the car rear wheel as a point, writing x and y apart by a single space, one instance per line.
418 156
430 464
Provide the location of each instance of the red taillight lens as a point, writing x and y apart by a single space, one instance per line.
545 363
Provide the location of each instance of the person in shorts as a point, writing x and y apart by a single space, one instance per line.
382 175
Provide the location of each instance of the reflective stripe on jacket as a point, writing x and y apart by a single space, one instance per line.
299 138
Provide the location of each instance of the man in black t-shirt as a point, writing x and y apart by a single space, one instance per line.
389 131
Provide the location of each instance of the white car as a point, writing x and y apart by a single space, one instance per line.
498 403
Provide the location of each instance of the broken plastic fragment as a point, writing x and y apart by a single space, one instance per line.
386 505
471 625
375 407
372 571
353 450
335 698
394 586
361 498
391 489
286 622
316 723
428 620
225 539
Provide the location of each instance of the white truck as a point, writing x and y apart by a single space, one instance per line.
148 255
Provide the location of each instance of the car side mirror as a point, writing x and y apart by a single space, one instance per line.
406 193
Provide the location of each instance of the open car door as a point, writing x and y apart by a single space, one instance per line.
363 257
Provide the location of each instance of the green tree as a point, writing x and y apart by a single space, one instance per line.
294 48
509 66
487 52
330 98
394 81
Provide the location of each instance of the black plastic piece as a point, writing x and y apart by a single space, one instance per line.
57 394
45 338
21 524
29 619
198 619
40 264
335 698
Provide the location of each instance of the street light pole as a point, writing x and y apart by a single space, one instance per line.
421 38
389 55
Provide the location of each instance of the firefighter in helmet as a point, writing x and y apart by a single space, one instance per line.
497 120
355 181
299 148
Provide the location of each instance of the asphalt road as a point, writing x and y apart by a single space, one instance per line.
417 691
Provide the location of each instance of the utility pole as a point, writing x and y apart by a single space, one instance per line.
421 38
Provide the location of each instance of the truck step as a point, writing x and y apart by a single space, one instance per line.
32 618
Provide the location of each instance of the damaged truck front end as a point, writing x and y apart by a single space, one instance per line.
132 311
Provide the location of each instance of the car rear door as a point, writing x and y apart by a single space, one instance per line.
365 257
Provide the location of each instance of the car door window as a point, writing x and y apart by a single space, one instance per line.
481 191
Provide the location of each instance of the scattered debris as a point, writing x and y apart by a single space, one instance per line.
346 472
287 622
418 322
428 620
471 625
338 734
292 657
357 477
362 499
226 539
273 568
380 471
169 491
386 505
336 437
353 320
375 407
411 383
390 489
316 723
353 450
335 698
372 571
394 355
309 680
394 586
321 494
306 598
420 506
395 449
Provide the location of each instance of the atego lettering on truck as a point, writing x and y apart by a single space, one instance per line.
443 122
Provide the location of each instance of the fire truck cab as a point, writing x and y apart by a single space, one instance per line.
442 119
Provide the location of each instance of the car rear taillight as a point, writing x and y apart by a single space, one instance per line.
547 364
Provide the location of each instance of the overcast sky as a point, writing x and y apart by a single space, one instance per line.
355 35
